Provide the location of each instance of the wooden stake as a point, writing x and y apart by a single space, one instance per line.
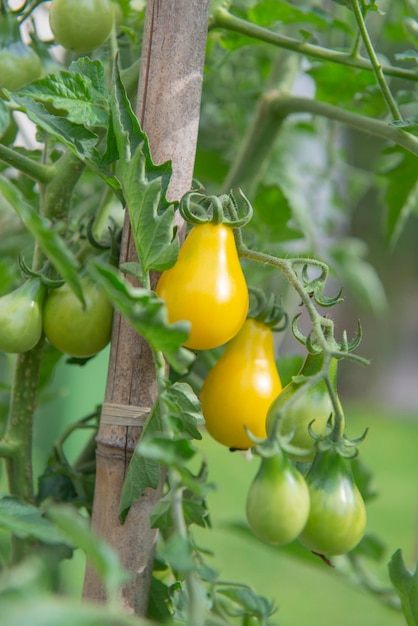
168 109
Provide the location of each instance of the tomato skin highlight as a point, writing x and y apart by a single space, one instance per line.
206 287
73 330
81 25
21 317
314 404
239 389
277 504
337 517
19 64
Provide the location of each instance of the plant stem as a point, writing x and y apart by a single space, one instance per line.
18 436
33 169
376 65
286 105
223 19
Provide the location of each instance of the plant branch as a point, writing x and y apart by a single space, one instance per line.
376 65
33 169
286 105
223 19
18 433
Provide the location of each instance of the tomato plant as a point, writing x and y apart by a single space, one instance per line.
21 317
302 132
278 501
239 389
81 25
337 516
80 331
206 287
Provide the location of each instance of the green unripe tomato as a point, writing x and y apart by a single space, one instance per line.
278 501
314 405
74 330
21 317
8 136
337 517
19 64
81 25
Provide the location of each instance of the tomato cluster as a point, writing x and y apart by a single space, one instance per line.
77 330
243 402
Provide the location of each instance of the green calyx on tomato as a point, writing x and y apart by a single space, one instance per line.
337 516
81 25
277 504
268 311
19 64
206 287
72 329
292 417
21 317
239 389
198 208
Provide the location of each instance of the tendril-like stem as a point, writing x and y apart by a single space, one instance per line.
376 65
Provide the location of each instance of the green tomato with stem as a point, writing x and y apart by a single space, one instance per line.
337 516
294 414
277 504
76 330
81 25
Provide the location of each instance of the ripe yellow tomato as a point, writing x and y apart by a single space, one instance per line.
206 287
240 388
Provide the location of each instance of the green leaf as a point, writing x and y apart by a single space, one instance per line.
178 552
166 450
401 193
104 560
246 601
48 239
272 214
152 228
72 95
147 314
406 585
144 185
79 139
158 601
161 516
24 520
266 12
183 408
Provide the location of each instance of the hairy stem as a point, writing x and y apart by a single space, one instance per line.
286 105
376 65
33 169
223 19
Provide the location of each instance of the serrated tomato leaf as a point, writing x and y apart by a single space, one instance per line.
147 314
46 236
144 185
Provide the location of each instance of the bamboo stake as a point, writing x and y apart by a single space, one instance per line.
168 109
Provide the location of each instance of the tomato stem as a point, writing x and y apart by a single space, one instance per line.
374 61
221 18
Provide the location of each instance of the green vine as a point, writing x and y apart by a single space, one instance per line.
221 18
